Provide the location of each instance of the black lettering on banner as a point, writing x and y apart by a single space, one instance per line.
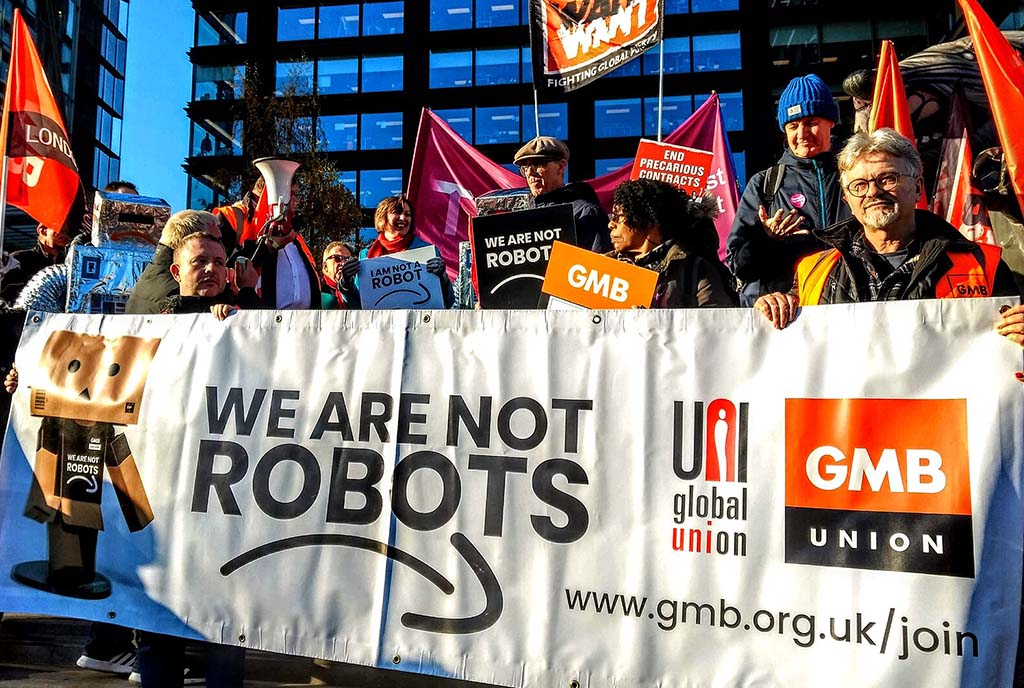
335 403
572 408
540 420
678 414
234 405
406 418
367 417
266 501
277 412
480 430
342 484
450 497
578 520
221 483
497 467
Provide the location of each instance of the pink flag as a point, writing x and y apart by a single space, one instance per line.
446 175
703 130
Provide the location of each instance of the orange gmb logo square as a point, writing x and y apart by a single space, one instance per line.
591 280
879 455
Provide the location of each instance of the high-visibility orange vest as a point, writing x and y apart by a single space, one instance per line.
245 230
966 278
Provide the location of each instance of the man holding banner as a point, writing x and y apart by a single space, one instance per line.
784 204
542 162
889 251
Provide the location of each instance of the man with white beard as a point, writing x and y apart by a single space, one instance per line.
888 250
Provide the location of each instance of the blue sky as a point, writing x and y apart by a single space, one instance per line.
158 82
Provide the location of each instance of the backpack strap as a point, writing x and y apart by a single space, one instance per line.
771 184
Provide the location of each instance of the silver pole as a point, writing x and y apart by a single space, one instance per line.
3 209
661 81
536 113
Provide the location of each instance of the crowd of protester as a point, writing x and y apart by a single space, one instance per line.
826 224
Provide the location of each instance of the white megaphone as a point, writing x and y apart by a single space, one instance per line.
277 174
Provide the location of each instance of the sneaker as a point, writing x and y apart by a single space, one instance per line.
120 663
193 676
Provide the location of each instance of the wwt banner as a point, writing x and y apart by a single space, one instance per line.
626 498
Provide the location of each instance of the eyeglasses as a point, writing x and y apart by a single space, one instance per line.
337 258
888 181
525 168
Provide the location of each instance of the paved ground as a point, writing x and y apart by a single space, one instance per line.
40 652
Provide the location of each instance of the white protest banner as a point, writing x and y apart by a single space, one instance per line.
400 280
682 167
613 498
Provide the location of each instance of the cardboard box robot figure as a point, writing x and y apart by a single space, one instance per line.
92 385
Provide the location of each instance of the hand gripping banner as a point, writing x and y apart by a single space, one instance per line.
574 42
533 498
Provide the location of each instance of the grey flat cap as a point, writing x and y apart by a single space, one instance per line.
540 149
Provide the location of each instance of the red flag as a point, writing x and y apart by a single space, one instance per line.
956 197
889 103
704 130
42 177
446 175
574 42
1002 71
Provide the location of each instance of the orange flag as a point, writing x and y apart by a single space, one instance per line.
1002 71
42 177
889 103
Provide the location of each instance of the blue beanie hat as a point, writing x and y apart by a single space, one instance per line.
807 96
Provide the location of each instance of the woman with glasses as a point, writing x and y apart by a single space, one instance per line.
393 220
655 226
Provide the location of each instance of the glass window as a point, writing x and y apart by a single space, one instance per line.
221 28
382 73
222 82
606 165
446 15
451 69
911 34
380 131
497 13
497 66
296 23
122 18
677 57
794 45
337 75
338 21
459 119
383 18
843 41
200 196
614 118
527 65
347 179
295 78
677 6
554 120
713 5
217 138
739 161
674 111
716 52
732 110
376 185
497 124
339 132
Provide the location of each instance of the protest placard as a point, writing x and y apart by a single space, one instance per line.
400 280
511 252
685 168
591 280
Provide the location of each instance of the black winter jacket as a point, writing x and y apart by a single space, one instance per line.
810 185
591 220
155 284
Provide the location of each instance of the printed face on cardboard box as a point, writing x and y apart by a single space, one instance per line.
92 378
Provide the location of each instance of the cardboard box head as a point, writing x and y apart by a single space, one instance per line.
93 378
